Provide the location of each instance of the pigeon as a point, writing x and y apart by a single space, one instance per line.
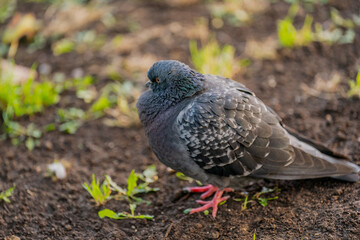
217 131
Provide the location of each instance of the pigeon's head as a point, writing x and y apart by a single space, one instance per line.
174 80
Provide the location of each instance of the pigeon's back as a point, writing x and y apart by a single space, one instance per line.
229 132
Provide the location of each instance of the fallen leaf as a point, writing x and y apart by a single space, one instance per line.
18 74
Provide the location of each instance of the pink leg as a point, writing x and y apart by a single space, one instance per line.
208 191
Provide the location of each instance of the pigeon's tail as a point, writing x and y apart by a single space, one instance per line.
313 160
311 163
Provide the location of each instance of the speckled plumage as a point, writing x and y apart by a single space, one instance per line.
217 131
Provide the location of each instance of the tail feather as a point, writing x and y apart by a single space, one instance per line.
315 161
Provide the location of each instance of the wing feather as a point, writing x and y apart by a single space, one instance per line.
233 133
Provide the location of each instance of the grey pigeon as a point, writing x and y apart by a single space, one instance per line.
217 131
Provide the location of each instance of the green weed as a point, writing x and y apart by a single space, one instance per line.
80 42
63 46
340 30
235 12
121 98
355 86
100 194
111 214
245 200
26 98
213 59
70 119
130 193
287 33
20 99
4 196
257 197
135 188
183 177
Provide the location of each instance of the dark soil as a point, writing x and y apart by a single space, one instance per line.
311 209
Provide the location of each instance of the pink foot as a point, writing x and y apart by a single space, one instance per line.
208 190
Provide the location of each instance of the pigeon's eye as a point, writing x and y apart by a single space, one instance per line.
157 80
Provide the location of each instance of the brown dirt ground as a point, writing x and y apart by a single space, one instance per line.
309 209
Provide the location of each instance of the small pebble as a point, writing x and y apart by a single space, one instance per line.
198 225
77 73
58 169
272 82
44 69
341 135
215 234
328 118
68 227
48 145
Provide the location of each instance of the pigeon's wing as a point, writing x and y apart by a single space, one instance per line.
233 133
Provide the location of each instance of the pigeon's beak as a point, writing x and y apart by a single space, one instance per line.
148 84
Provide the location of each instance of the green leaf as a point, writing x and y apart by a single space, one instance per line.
6 194
264 201
183 177
111 214
186 211
70 127
50 127
286 32
30 143
114 186
99 193
245 200
63 46
101 104
132 208
132 183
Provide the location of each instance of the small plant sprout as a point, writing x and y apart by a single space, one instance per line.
100 194
264 201
21 97
213 59
133 187
287 33
257 197
235 12
63 46
245 200
111 214
123 96
71 119
183 177
4 196
355 86
149 175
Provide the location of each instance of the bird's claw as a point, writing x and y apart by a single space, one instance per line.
208 190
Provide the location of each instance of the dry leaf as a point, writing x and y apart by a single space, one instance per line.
20 26
18 74
65 21
264 49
